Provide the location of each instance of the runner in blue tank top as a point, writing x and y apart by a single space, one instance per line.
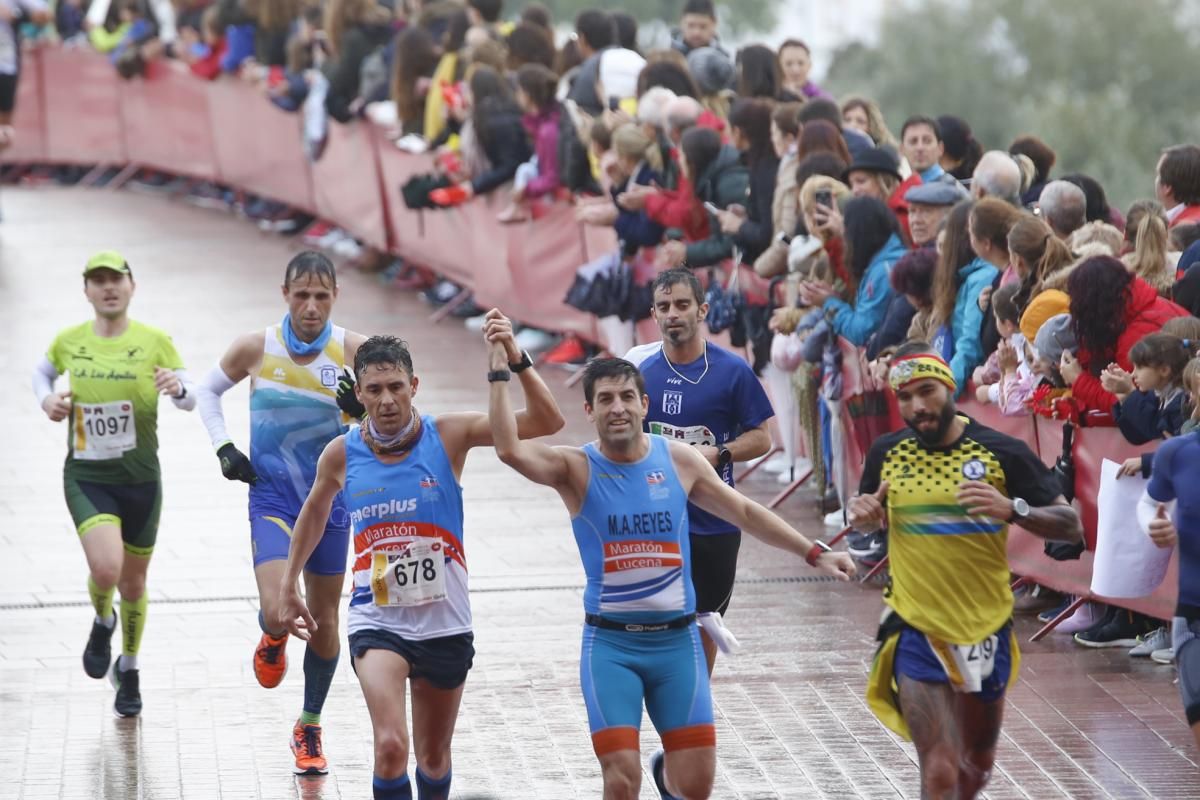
627 494
410 616
295 410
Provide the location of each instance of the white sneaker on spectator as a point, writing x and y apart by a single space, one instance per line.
776 464
1163 656
475 324
347 248
835 519
800 466
333 237
1147 644
533 339
1086 616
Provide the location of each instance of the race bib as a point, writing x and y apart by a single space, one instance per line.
688 434
974 663
414 575
104 430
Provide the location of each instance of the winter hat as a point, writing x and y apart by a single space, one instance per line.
619 70
1054 338
712 69
1041 308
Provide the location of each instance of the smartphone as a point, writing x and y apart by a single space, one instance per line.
824 197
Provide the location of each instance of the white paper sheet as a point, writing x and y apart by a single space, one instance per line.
1127 563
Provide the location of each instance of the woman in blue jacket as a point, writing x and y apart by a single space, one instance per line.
873 246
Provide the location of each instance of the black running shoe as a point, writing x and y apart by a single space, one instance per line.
869 548
129 696
657 762
98 653
1121 629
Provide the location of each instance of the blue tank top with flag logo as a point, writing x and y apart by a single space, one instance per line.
414 502
632 533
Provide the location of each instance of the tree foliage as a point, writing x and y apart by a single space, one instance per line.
1107 83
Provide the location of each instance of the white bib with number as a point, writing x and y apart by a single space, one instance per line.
413 575
104 430
688 434
973 663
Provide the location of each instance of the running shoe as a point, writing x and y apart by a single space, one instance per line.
129 696
1120 629
835 519
98 653
1164 656
316 232
1051 613
869 548
1037 598
568 351
787 476
306 746
270 660
657 764
775 464
1087 616
1158 639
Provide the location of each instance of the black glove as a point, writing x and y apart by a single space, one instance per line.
346 399
234 464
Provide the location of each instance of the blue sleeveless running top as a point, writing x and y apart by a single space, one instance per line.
391 505
293 415
632 534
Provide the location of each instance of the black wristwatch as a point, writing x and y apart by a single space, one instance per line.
1020 510
182 392
724 457
499 375
525 363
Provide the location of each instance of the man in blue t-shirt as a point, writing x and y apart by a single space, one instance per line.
708 397
1175 476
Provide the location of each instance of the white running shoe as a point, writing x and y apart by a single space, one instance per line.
1164 656
776 464
835 519
534 340
1151 642
801 465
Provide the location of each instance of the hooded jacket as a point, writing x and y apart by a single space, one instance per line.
725 181
967 321
1146 313
855 323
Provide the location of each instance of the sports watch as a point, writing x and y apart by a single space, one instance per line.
1020 509
724 456
525 363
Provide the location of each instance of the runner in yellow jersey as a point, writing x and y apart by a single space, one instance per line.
947 488
118 368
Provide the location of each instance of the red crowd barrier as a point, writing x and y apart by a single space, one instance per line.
74 109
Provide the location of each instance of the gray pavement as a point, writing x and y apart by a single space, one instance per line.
791 718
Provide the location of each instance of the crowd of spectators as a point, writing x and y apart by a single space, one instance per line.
1042 297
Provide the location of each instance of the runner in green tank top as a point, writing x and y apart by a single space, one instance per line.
118 368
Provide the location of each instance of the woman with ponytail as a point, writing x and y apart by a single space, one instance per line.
1036 254
1146 233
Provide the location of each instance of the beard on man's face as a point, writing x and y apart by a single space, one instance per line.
931 428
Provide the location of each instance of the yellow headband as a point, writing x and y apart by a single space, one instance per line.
918 368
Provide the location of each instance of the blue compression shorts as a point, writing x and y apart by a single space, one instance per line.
916 659
271 536
666 669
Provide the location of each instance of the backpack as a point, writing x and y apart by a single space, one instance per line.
574 166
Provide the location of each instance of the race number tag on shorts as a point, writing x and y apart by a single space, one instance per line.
975 663
688 434
412 576
104 430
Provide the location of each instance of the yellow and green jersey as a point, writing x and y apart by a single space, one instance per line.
949 573
114 406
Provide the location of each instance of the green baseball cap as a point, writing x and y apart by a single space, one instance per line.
107 259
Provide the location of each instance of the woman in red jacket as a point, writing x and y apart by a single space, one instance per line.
1111 309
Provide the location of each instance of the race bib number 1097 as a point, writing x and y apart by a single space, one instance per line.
103 430
411 576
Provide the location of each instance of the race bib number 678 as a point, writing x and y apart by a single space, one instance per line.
411 576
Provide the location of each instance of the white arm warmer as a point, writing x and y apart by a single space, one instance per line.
208 398
188 401
43 379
